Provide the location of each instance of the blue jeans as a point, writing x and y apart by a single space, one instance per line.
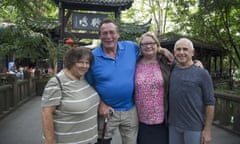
181 136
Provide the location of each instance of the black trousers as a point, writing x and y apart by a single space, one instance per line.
152 134
105 141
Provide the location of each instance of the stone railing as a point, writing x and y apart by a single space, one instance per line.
227 112
14 92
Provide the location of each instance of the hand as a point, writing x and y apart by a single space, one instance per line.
105 110
167 54
198 63
206 137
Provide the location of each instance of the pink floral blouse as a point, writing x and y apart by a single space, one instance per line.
149 92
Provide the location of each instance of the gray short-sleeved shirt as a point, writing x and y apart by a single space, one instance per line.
75 119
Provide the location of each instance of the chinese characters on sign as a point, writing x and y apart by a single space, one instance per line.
87 21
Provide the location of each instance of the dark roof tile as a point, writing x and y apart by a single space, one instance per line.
123 4
101 2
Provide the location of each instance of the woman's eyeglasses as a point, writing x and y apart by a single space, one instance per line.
146 44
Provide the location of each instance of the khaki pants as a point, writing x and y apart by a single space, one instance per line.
125 121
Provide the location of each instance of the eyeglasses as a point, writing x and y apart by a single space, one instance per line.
149 43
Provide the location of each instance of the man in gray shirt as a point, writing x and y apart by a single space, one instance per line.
191 99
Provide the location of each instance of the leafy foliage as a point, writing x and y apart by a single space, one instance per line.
211 21
19 40
208 20
24 43
21 11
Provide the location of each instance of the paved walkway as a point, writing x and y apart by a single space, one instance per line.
23 126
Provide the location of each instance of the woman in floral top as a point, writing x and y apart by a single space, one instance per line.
151 88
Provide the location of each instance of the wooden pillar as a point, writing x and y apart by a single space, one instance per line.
215 64
117 15
225 109
236 115
12 79
61 20
230 67
61 39
221 65
209 58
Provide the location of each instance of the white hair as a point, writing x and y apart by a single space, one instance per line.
188 41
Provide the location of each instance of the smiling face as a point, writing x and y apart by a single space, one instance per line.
148 47
109 35
77 61
80 68
183 52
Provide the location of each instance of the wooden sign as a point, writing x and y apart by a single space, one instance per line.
87 21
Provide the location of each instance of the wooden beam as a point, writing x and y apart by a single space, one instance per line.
81 35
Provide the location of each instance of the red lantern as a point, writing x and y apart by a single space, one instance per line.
69 41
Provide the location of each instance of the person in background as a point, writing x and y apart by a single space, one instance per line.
112 75
4 70
191 99
151 89
69 106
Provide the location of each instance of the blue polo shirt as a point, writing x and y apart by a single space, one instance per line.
114 79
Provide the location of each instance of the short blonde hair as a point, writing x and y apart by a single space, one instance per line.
149 34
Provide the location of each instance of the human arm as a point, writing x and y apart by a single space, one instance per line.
206 132
47 124
104 110
167 54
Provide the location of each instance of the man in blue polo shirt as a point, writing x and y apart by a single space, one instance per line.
112 75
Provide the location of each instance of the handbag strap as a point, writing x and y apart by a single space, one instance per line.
59 82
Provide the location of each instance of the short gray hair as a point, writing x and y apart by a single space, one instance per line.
188 41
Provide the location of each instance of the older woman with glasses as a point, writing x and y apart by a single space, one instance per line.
151 88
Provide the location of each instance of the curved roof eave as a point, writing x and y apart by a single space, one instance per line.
170 39
96 5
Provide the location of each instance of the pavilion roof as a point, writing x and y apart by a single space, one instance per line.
168 41
133 28
96 5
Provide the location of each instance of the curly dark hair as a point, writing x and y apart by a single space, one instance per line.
73 55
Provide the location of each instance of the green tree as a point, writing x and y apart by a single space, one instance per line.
19 39
210 21
143 10
17 11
